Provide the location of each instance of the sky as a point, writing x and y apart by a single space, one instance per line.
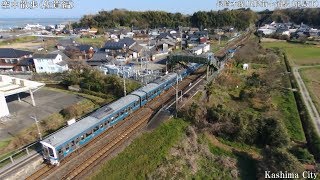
82 7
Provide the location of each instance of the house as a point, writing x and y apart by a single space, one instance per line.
205 47
10 58
26 65
99 58
49 63
81 30
93 31
201 34
135 51
82 51
141 37
122 44
64 43
192 40
197 50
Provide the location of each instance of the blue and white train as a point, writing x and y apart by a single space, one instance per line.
62 143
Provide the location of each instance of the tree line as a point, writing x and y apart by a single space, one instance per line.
309 16
240 19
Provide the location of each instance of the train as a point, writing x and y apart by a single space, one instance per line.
62 143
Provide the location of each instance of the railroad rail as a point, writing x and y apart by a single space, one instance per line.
125 129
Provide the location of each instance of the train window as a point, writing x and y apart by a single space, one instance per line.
45 151
67 147
106 123
72 143
101 125
50 152
96 129
60 151
82 137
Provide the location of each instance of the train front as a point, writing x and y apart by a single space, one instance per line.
49 153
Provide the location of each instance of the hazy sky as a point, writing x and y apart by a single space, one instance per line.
82 7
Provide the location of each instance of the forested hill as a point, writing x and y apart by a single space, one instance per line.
308 16
240 19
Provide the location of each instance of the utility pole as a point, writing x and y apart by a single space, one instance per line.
177 91
38 128
180 39
124 85
166 66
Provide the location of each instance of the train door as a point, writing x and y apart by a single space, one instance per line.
60 154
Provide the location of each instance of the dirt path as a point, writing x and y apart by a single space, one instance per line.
313 112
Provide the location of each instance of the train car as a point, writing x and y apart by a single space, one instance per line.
152 90
141 95
60 144
166 81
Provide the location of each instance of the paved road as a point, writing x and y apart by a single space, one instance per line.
313 112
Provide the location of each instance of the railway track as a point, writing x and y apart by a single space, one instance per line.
47 171
77 172
121 132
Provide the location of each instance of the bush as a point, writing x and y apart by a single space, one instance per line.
77 110
275 160
302 154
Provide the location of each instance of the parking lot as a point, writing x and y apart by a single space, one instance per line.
47 102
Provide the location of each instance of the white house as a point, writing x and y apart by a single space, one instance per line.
49 63
205 47
197 50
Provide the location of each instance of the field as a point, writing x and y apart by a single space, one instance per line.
286 104
28 43
311 76
215 46
97 42
299 54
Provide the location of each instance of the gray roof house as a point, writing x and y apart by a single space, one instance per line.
50 63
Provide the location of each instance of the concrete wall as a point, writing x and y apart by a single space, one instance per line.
4 111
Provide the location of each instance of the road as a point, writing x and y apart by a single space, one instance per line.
313 112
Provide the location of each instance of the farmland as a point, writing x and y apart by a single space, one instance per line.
311 77
299 54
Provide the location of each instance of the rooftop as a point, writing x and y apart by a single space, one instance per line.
13 53
45 56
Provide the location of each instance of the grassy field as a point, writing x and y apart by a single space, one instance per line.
311 76
215 46
285 103
145 153
18 40
97 42
299 54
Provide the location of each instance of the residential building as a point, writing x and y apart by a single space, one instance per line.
49 63
10 58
